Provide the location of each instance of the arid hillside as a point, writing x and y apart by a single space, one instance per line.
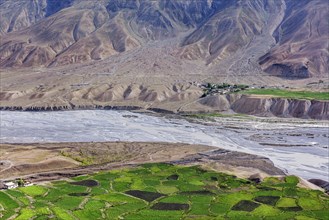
285 38
302 41
146 54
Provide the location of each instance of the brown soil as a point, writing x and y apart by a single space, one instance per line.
75 158
63 160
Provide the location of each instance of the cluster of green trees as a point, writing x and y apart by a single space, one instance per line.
212 88
225 86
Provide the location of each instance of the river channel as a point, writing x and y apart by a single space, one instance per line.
299 148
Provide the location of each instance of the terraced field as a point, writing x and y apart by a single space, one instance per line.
163 191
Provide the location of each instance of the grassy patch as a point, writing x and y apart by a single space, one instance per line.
289 94
310 204
219 208
176 199
292 180
34 190
26 214
300 217
88 214
266 210
62 213
7 203
166 189
286 202
69 203
43 211
19 196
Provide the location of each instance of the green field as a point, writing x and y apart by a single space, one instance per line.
163 191
289 94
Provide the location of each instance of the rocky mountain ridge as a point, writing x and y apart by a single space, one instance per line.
284 38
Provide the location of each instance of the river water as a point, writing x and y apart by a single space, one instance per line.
297 148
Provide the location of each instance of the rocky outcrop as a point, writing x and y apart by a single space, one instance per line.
321 183
234 159
221 103
281 107
268 106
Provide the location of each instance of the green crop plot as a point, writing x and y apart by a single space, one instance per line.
164 191
289 94
34 190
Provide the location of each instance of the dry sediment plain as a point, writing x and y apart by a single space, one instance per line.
63 160
59 160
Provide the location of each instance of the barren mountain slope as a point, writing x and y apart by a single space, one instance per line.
302 41
16 15
230 39
81 33
92 30
229 29
19 14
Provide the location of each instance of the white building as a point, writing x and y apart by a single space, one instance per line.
11 185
